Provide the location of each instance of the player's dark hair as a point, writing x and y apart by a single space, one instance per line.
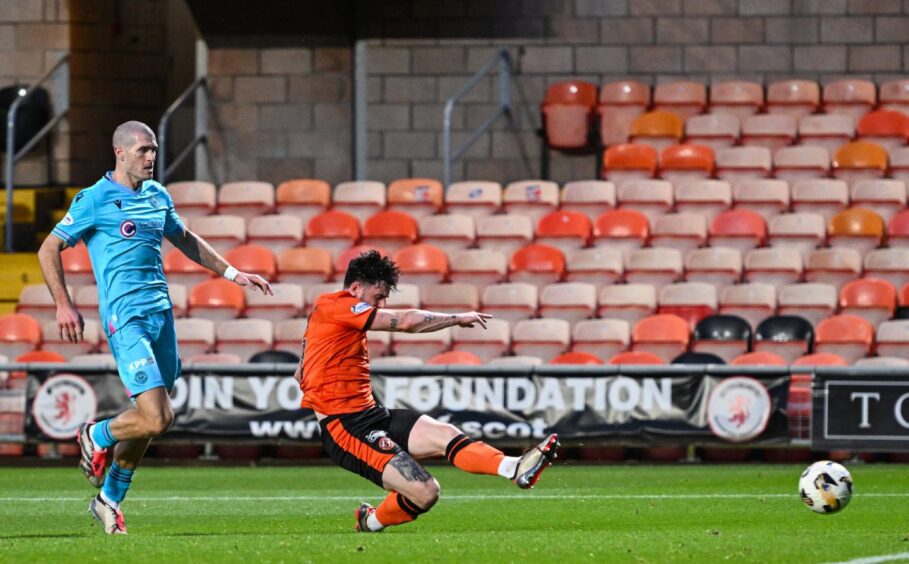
371 268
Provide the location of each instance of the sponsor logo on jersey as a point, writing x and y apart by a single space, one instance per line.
738 409
359 307
67 219
128 228
62 403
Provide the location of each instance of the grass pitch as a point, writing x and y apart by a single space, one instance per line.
576 513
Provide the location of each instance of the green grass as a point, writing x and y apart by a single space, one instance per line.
576 513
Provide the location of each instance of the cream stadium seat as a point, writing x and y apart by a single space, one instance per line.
244 337
628 302
511 301
246 199
359 198
531 198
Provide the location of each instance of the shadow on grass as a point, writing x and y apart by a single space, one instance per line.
43 536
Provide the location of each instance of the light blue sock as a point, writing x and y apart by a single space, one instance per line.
117 483
102 436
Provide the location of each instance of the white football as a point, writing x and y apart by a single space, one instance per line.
826 487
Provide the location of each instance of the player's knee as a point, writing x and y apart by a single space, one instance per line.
427 494
158 423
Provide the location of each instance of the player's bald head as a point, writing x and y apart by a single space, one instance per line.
127 134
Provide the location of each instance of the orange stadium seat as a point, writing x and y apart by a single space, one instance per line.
787 336
797 98
244 337
391 230
542 338
759 358
450 298
828 131
449 232
180 269
682 231
752 302
420 197
811 301
741 163
565 230
738 229
602 338
767 197
333 230
628 302
664 335
849 336
196 336
629 162
505 233
776 266
859 160
216 300
19 333
659 129
246 198
834 266
679 163
736 98
590 197
481 267
619 104
286 303
422 264
893 338
576 358
801 231
854 98
883 196
223 232
594 265
773 131
456 358
253 259
536 264
692 301
655 266
474 198
568 112
898 230
36 301
489 343
571 301
303 197
872 299
856 228
533 198
895 96
32 356
51 341
891 265
277 233
511 301
683 98
718 266
821 196
305 265
77 266
289 335
652 198
359 198
636 357
421 345
820 359
193 198
705 197
904 296
887 128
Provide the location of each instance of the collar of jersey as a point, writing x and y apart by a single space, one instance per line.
109 177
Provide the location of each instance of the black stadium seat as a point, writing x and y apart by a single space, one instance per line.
726 336
788 336
697 358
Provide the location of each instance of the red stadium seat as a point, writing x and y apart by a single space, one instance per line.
849 336
567 113
576 358
619 104
629 161
19 333
819 359
898 230
422 264
738 229
565 230
456 358
180 269
536 264
392 230
679 163
887 128
636 357
253 259
333 230
758 358
77 266
216 300
621 229
665 335
872 299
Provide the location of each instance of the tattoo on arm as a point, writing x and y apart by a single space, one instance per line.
434 322
393 324
408 467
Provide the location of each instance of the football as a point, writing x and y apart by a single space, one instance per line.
826 487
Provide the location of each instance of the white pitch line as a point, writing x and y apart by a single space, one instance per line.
876 559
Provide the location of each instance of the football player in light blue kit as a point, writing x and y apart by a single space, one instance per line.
123 218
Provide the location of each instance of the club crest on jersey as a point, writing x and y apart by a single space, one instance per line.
359 307
154 201
381 440
67 219
128 228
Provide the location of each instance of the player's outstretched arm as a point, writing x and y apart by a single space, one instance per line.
421 321
69 321
199 251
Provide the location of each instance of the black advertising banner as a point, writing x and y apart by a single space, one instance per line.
669 409
870 413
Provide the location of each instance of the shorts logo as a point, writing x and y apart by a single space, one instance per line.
137 364
128 228
386 444
738 409
380 438
359 307
67 219
373 436
62 403
141 377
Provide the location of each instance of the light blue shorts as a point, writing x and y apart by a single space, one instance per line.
145 349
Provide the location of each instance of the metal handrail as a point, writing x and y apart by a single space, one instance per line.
502 60
13 156
200 84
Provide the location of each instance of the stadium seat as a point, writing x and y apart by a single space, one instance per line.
512 301
576 358
422 264
180 269
450 298
773 131
692 301
216 300
36 301
595 265
391 230
683 98
820 359
811 301
717 131
590 197
891 265
246 199
515 361
565 230
636 357
17 379
882 361
738 229
787 336
776 266
797 98
77 266
407 296
480 267
682 231
752 302
536 264
887 128
859 160
664 335
619 104
658 129
568 113
705 197
359 198
390 362
343 259
303 197
882 196
654 266
542 338
898 230
681 163
766 197
726 336
852 97
652 198
277 233
51 341
223 232
94 358
455 358
602 338
489 343
421 345
571 301
736 98
893 339
826 131
449 232
628 302
286 303
304 265
856 228
743 163
697 358
623 230
632 161
833 266
894 95
532 198
193 198
419 197
849 336
253 259
333 230
803 232
717 266
378 344
759 358
474 198
86 300
244 337
505 233
215 358
872 299
197 336
289 335
821 196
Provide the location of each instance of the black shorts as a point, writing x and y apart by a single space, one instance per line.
364 442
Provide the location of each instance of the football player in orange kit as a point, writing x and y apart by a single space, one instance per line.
383 445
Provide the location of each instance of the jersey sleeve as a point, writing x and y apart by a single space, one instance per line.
353 313
172 222
79 219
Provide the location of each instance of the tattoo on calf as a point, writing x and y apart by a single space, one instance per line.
408 467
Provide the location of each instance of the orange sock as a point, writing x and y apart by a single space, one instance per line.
473 456
397 509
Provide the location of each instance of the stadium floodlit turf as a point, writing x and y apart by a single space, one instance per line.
699 513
